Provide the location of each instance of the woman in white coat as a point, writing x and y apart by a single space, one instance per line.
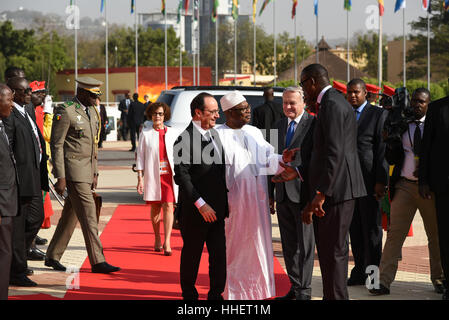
155 171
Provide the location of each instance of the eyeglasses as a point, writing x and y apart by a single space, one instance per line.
160 114
213 111
302 82
243 110
25 91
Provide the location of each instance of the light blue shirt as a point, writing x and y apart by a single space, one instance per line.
360 109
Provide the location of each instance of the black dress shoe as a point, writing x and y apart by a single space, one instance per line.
40 241
439 287
29 272
132 150
356 282
289 296
446 295
104 267
303 297
35 254
54 264
381 291
22 281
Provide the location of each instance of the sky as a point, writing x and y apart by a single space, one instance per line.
332 17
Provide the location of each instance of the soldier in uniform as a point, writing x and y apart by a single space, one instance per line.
74 148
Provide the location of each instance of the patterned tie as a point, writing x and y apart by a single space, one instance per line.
2 129
417 139
290 133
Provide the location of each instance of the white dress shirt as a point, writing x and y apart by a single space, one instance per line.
409 165
33 126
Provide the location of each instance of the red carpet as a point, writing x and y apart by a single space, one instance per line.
128 241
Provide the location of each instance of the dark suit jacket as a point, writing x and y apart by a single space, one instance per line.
371 147
136 114
335 167
33 174
122 107
295 190
8 180
266 116
197 179
434 156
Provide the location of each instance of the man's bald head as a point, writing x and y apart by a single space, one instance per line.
317 72
6 103
268 94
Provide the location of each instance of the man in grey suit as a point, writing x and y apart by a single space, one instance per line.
298 243
8 192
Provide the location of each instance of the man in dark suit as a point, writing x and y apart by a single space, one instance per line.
366 225
434 174
8 192
28 146
203 202
135 118
405 199
266 115
123 107
335 178
298 244
104 121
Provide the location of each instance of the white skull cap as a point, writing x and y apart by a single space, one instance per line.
231 99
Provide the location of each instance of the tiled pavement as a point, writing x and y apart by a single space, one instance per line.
412 280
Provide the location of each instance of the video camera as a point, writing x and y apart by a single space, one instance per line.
399 116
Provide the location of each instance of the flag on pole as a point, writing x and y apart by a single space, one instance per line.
196 10
381 8
132 6
235 9
400 4
71 2
215 10
295 3
102 6
264 5
348 5
315 7
254 10
178 18
446 5
163 7
186 6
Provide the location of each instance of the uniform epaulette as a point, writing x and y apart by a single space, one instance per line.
68 104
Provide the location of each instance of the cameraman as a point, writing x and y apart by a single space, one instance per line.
406 200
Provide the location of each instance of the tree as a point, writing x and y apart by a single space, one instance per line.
439 45
367 46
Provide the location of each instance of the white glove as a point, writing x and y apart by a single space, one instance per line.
48 104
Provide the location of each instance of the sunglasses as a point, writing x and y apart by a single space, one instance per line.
25 91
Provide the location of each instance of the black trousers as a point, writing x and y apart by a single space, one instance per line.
25 228
194 237
133 130
298 246
5 255
332 243
366 235
442 208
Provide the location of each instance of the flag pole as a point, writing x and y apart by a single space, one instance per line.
347 39
199 42
254 51
76 45
216 51
136 47
428 49
404 47
106 50
193 47
166 70
296 54
180 48
274 35
317 51
380 55
235 51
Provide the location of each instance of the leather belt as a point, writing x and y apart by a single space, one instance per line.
409 180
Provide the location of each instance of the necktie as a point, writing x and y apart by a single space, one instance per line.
317 107
357 114
2 129
290 133
417 139
87 112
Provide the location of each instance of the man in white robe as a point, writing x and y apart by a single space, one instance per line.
249 159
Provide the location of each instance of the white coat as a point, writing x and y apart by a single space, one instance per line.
148 160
